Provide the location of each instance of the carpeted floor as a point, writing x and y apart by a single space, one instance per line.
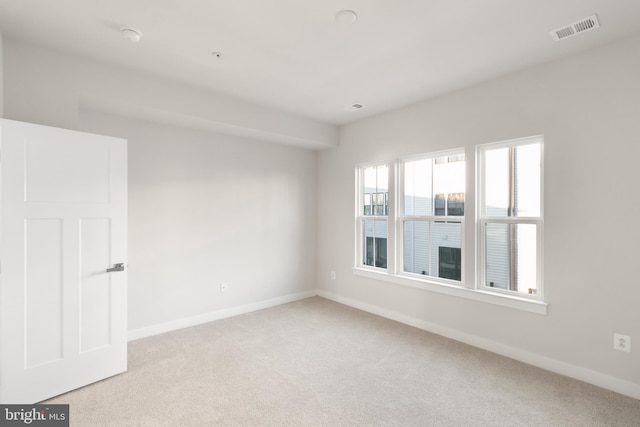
318 363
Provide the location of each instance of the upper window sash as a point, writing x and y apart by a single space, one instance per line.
444 200
495 165
373 190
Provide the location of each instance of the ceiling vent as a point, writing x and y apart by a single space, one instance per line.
576 28
353 107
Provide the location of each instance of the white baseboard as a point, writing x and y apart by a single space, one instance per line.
592 377
149 331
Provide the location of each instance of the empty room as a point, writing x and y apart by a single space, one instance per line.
319 213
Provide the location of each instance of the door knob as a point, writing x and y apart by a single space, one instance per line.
116 267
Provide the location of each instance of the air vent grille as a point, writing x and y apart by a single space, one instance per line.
576 28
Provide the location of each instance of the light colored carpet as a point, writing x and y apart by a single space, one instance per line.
318 363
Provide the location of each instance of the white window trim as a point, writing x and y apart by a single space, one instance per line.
482 220
360 217
400 219
393 274
503 300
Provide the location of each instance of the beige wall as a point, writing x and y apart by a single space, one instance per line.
588 108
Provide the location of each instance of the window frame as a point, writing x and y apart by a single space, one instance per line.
482 219
470 289
360 217
400 218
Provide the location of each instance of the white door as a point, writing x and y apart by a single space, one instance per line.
63 222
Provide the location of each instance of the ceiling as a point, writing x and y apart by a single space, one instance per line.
292 55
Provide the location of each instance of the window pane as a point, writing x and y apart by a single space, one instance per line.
417 187
511 257
497 256
370 180
512 181
375 243
525 257
446 235
416 247
429 184
375 190
433 248
369 188
496 182
448 179
527 179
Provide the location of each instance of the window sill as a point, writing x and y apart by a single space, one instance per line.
518 303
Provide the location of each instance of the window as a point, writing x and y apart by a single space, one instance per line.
410 223
510 217
373 211
431 217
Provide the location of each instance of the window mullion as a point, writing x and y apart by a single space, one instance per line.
392 212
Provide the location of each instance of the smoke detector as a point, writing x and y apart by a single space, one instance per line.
578 27
346 17
131 34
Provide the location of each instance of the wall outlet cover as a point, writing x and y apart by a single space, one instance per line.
622 342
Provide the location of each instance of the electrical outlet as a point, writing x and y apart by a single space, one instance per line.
622 342
333 275
223 286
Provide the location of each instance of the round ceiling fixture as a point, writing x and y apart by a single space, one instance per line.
346 17
217 55
131 34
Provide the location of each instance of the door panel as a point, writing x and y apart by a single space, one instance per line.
95 285
63 224
43 291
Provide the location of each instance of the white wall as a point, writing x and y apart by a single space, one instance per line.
1 77
204 207
192 224
50 88
588 108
